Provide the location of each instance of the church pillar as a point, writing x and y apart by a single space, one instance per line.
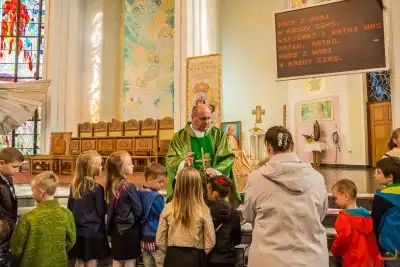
393 8
91 83
197 32
181 39
210 27
63 36
112 59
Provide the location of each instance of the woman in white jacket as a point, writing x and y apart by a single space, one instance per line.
286 201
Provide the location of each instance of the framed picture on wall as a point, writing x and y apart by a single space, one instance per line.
321 110
233 132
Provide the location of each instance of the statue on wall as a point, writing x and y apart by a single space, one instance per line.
336 142
317 132
316 136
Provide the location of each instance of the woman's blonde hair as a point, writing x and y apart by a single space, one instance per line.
188 198
87 167
114 175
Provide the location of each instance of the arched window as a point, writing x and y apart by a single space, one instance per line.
21 59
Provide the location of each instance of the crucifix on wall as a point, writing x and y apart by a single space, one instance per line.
258 112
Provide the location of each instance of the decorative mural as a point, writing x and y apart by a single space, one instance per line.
316 110
148 89
378 86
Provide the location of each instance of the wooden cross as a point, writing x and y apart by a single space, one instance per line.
258 112
203 161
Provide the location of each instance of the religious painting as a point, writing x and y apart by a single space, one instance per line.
203 83
316 110
315 86
233 131
148 89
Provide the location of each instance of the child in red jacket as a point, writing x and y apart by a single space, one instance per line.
355 240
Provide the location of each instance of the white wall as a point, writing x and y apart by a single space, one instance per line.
69 63
249 72
393 7
249 63
353 118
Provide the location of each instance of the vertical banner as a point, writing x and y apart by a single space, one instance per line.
203 85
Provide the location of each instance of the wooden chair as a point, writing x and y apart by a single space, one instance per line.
60 143
115 128
131 128
85 129
100 129
59 148
148 127
165 134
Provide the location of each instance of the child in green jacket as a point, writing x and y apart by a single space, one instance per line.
44 235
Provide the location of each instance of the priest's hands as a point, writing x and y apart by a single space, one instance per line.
189 159
212 173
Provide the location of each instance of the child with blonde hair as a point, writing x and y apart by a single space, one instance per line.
87 204
44 235
124 210
186 230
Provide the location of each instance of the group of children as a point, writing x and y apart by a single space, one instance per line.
360 237
184 232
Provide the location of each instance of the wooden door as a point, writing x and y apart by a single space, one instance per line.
380 129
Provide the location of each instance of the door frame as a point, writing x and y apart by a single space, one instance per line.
369 132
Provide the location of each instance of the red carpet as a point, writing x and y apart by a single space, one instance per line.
25 178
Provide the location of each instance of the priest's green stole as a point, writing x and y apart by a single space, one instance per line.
197 144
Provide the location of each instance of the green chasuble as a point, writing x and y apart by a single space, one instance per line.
44 235
213 146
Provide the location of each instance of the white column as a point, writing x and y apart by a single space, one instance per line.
181 39
197 32
210 27
193 28
393 7
112 59
63 38
91 69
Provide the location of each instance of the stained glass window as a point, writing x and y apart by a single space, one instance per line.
379 86
21 59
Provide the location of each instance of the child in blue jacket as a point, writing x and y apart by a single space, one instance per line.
153 204
386 207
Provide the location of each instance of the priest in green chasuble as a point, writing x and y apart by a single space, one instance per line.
203 147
